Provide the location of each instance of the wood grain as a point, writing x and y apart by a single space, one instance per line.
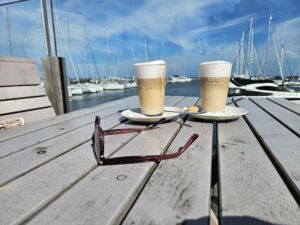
7 93
30 193
31 116
181 186
18 131
251 190
16 59
287 104
36 189
39 136
288 118
282 144
18 72
23 161
12 106
126 181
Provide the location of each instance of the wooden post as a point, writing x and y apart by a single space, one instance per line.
55 83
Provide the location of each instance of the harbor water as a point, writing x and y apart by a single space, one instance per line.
172 89
90 100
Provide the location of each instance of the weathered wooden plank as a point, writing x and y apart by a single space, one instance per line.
282 144
118 185
55 82
30 193
16 59
287 104
12 106
32 116
7 93
25 196
11 133
23 161
251 190
283 115
181 186
38 136
18 72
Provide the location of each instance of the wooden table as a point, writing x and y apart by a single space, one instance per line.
48 174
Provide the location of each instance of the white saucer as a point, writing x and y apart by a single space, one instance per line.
136 115
230 113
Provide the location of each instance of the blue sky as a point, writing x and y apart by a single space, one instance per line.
184 33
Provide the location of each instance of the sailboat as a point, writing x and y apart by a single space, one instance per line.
96 84
244 84
111 84
180 79
73 89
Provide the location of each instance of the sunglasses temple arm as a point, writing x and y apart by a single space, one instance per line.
128 130
138 159
157 123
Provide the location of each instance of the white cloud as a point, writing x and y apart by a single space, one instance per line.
153 20
289 32
226 24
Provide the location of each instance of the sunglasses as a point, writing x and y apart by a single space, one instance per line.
98 145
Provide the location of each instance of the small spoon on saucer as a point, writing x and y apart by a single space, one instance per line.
189 110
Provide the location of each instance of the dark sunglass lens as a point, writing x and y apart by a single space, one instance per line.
97 143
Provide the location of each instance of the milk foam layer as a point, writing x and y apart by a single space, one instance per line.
150 70
215 69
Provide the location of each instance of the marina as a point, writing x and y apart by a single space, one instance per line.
149 112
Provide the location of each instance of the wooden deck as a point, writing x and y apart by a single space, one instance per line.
48 174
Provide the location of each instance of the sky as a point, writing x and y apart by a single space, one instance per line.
107 37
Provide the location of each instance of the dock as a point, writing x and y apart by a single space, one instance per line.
48 174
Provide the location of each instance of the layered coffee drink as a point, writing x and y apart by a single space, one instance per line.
214 82
151 82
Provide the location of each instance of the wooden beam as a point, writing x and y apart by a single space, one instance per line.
15 71
55 83
8 93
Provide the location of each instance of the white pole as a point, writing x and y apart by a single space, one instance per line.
267 49
248 56
242 69
278 60
146 53
237 58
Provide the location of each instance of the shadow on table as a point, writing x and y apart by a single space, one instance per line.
232 220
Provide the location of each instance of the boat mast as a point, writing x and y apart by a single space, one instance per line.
249 48
267 48
28 47
91 52
67 46
184 65
108 52
278 60
237 58
9 33
242 68
258 62
146 52
281 53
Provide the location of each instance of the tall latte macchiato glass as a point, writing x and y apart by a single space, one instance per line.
151 82
214 82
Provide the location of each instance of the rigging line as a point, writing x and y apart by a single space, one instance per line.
91 51
280 68
258 60
66 43
287 61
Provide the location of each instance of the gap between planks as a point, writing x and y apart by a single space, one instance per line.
34 210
